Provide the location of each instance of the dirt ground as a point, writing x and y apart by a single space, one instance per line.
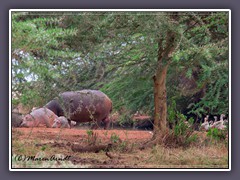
29 141
77 135
82 148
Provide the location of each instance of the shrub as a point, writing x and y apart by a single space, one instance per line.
181 133
115 138
217 134
92 137
125 121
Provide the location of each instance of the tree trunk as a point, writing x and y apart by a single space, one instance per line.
160 91
160 107
160 100
165 50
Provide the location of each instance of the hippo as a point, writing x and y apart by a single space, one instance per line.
39 117
17 119
62 122
83 106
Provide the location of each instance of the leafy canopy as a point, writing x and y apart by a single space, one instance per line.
117 53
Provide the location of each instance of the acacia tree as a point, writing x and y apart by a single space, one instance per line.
122 28
129 55
158 40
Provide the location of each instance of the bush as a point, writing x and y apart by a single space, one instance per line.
217 134
181 133
92 137
115 138
125 121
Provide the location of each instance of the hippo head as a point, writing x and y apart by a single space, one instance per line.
27 121
56 123
60 122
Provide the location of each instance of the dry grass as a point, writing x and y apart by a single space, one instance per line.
202 154
194 157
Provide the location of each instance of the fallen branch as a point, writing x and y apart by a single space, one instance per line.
92 148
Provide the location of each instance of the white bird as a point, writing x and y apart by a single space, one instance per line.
220 124
211 124
222 116
205 125
225 122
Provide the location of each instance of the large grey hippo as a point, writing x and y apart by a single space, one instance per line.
83 106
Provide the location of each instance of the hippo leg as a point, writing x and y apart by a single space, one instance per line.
96 125
107 122
69 122
77 124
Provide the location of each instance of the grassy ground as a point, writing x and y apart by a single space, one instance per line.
49 153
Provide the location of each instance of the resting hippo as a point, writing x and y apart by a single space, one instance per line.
39 117
16 119
83 106
62 122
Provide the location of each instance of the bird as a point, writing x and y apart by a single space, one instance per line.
205 125
211 124
225 122
220 124
222 116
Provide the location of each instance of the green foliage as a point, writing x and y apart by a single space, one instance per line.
216 99
43 148
117 52
182 130
217 134
92 137
183 134
89 132
114 138
172 112
125 120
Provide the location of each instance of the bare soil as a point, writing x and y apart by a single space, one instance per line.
124 151
76 135
29 140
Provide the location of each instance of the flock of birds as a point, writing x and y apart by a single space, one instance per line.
221 124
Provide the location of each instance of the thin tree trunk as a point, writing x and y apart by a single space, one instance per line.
165 50
160 100
160 91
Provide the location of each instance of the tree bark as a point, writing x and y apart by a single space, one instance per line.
160 100
160 91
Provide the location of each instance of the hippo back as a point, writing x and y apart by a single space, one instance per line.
39 117
81 106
